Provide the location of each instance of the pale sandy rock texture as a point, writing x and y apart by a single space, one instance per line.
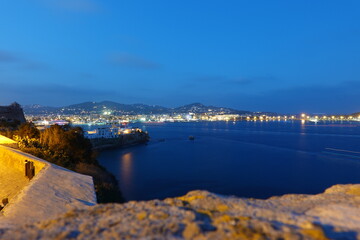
54 190
334 214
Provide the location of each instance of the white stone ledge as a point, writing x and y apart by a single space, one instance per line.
53 190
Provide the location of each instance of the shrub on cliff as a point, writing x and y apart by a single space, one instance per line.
67 147
27 130
64 146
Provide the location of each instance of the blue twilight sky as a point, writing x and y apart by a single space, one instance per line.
284 56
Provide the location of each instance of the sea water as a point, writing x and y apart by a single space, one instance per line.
245 159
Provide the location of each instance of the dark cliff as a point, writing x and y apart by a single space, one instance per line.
12 113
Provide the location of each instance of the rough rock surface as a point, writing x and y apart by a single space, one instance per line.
334 214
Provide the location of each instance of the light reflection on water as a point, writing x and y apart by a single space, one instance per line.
245 159
126 168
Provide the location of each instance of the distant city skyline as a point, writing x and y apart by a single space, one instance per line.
278 56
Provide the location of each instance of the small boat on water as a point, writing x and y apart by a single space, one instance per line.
191 138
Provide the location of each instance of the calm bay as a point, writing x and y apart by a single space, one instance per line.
246 159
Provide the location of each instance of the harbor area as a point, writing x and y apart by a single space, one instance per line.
113 137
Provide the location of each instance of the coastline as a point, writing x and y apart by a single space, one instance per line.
114 192
132 139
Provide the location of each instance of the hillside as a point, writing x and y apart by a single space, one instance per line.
201 108
127 109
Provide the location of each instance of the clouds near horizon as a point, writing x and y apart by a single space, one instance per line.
51 94
7 57
132 61
337 98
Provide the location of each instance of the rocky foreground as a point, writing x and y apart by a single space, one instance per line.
334 214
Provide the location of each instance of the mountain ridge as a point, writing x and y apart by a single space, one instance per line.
131 109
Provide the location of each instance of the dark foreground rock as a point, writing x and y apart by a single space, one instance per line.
334 214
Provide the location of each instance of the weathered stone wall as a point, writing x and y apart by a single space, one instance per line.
12 172
53 190
15 159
